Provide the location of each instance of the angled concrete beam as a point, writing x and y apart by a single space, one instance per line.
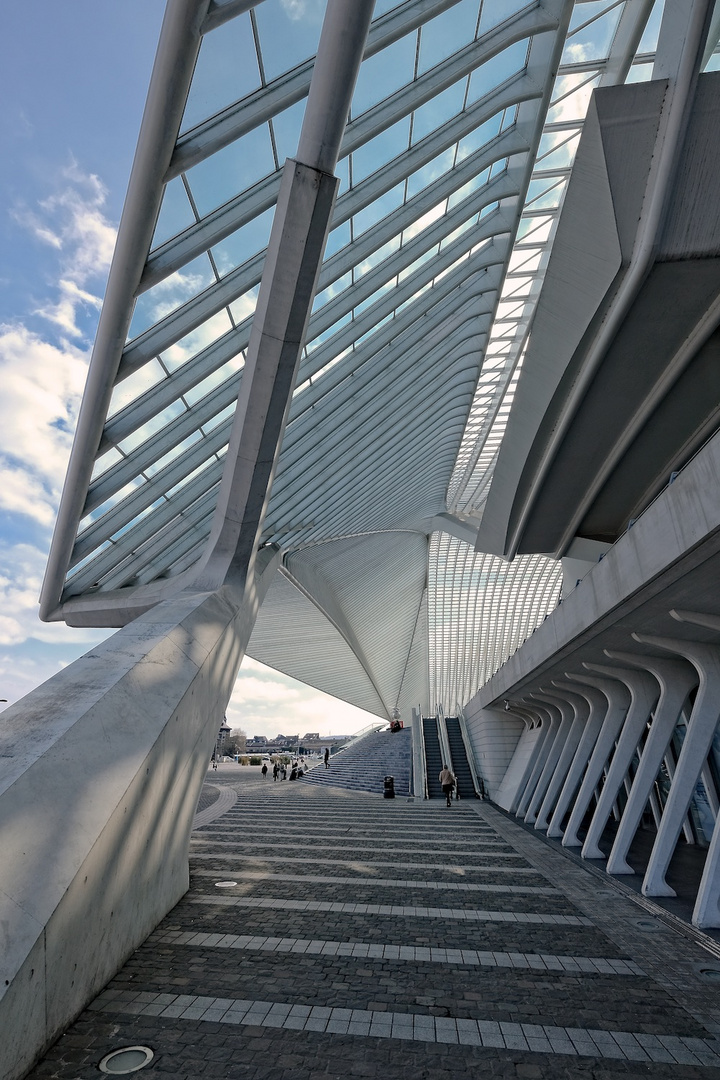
581 711
598 710
676 679
644 690
618 703
551 723
567 717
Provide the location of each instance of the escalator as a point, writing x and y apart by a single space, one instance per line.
433 757
460 765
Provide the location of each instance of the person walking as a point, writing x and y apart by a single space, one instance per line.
264 770
447 780
276 770
327 757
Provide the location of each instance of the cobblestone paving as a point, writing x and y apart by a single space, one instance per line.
331 934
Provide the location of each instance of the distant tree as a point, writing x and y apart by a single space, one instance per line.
236 742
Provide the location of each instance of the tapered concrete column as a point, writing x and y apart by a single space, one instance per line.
618 704
581 711
644 691
598 709
551 723
706 913
566 718
700 730
538 721
676 679
688 833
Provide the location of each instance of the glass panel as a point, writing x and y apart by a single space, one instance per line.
383 148
649 40
286 128
188 346
381 75
497 70
175 213
226 71
136 384
289 32
447 33
439 110
170 294
243 243
497 11
378 209
231 170
594 41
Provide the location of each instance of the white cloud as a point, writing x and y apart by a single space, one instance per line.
303 9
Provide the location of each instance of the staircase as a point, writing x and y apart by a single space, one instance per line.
364 765
458 753
433 757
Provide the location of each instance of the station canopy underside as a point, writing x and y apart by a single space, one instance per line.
460 141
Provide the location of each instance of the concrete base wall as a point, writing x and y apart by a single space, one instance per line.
507 793
100 773
494 736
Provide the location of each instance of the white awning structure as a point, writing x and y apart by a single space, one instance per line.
453 165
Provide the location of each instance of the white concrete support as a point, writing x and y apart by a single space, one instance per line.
567 716
551 723
516 776
100 773
618 703
644 691
598 710
676 679
695 749
581 711
542 730
494 734
687 827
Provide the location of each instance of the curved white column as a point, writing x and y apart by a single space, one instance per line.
644 691
581 711
598 704
618 704
551 723
543 724
676 678
700 731
566 718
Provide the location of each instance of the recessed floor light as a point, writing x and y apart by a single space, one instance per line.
225 884
126 1060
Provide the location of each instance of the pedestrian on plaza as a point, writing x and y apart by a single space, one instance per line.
447 781
327 757
276 770
284 771
264 770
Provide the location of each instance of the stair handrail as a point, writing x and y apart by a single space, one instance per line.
423 759
443 738
469 752
362 734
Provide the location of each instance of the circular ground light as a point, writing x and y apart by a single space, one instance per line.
225 884
646 924
127 1060
710 973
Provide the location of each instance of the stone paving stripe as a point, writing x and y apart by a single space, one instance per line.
442 1029
224 802
266 846
339 834
388 883
460 868
464 914
562 965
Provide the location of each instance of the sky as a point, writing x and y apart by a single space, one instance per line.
73 79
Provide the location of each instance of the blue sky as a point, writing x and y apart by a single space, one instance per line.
73 78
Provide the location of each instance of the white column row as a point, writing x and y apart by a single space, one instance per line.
606 736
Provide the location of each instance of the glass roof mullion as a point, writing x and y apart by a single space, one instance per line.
148 493
243 116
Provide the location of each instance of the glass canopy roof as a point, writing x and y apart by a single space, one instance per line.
456 156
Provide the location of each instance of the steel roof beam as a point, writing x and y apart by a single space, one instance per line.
230 124
213 228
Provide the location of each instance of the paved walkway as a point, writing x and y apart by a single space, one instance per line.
332 934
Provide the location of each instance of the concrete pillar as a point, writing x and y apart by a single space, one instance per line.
522 769
644 691
566 718
618 703
676 679
550 724
598 709
581 711
701 728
